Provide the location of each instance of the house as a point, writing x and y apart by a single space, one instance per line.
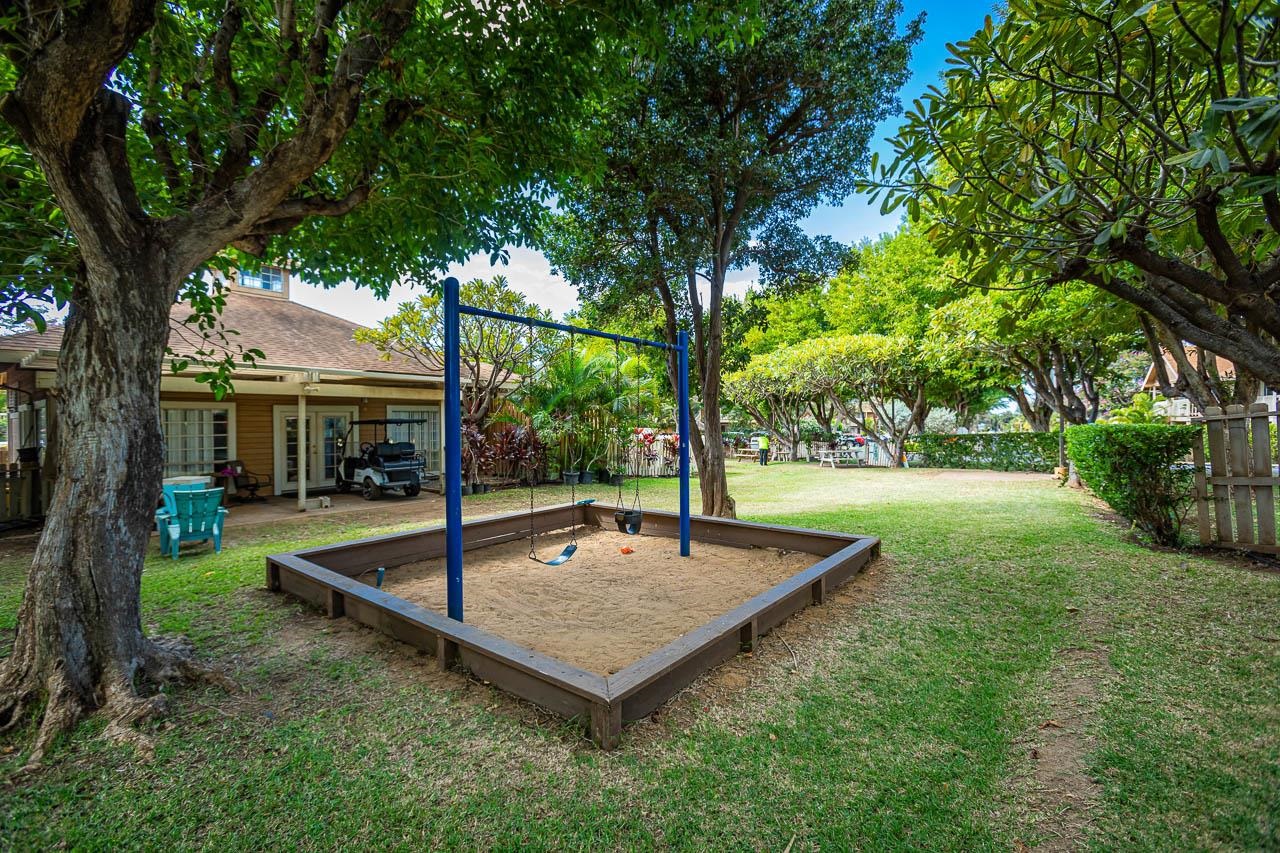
1180 408
314 380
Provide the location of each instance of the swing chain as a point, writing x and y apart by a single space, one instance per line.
635 500
573 436
617 383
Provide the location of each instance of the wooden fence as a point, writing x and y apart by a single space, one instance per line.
23 494
1235 492
657 463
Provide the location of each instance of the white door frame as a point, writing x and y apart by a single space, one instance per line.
315 463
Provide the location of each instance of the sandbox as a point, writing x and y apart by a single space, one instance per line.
603 609
607 636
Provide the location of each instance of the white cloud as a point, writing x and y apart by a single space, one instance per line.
527 271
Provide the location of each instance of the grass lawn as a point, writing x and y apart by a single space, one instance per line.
1013 672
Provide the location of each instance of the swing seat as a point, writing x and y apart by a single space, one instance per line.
628 521
559 560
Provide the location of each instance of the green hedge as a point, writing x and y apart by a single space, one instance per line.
995 451
1139 470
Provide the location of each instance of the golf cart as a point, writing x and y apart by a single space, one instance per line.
380 466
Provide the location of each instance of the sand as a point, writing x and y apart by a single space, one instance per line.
603 609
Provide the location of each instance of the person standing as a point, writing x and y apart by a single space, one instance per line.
764 450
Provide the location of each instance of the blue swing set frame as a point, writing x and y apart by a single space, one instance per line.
453 311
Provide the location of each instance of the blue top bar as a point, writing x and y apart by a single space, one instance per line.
561 327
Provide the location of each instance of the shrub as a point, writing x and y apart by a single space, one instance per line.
1141 411
995 451
1138 470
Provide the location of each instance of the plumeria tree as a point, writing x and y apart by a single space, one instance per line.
492 353
1051 350
1127 144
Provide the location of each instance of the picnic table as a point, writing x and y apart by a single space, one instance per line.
746 453
840 456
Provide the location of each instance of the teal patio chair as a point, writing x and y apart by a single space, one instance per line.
197 516
167 506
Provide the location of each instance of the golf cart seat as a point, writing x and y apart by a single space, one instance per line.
392 452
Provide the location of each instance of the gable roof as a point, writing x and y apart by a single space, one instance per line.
290 336
1226 368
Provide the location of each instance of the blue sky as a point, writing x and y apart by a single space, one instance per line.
851 222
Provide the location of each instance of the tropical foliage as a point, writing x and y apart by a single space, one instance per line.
585 404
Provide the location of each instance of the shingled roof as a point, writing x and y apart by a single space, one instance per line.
289 335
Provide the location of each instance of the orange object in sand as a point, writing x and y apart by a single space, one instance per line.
627 550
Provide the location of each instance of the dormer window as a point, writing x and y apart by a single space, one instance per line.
270 279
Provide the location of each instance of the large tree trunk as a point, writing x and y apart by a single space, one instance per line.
713 480
707 442
79 644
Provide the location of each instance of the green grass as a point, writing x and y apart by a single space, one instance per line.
900 716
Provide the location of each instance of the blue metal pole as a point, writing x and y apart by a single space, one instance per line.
682 374
452 451
472 311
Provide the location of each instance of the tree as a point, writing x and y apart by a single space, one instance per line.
713 163
767 391
1129 145
491 352
1197 375
787 318
894 292
173 138
1051 350
864 377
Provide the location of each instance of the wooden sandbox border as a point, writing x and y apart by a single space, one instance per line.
326 577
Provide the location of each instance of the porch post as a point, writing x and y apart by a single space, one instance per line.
302 449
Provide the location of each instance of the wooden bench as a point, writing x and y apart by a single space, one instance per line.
843 456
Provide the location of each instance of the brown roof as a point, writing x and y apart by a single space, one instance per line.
1226 368
289 335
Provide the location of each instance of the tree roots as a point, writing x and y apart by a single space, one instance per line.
164 662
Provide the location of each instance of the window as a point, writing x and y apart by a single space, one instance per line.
28 425
267 278
196 437
425 436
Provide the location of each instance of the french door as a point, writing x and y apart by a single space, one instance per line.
326 427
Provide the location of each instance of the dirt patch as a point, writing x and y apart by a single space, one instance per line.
603 609
1065 795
